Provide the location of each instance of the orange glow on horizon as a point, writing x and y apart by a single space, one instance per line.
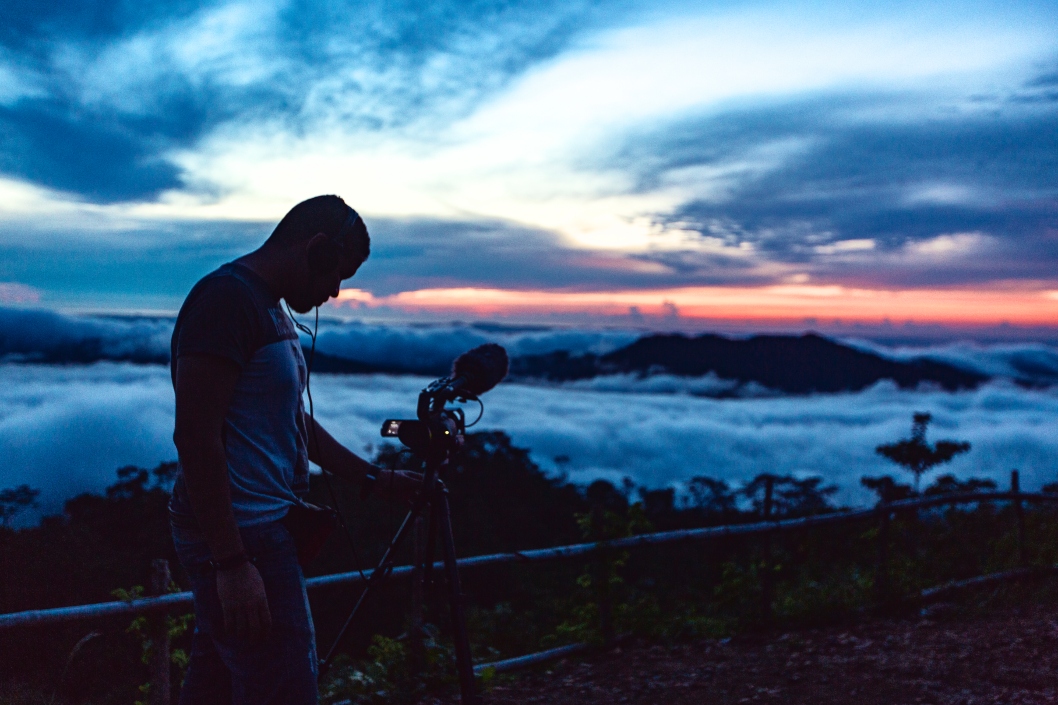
781 302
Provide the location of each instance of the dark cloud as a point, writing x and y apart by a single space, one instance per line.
152 266
1043 88
81 154
421 253
371 65
27 24
1045 79
99 120
896 181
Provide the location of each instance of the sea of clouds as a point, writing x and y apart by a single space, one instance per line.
66 428
1034 363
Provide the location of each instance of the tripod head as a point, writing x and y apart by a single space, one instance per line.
438 430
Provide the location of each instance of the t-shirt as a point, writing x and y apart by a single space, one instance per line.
231 313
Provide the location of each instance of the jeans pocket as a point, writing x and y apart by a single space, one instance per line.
192 550
269 541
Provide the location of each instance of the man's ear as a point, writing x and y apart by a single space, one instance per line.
322 254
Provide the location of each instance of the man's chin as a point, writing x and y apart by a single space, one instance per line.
299 306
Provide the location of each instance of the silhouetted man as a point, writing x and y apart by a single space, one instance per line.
244 443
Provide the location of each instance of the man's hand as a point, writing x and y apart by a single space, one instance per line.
332 456
244 603
397 485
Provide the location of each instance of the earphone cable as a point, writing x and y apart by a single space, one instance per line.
315 439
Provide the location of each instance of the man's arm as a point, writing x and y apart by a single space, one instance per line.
205 385
335 458
204 388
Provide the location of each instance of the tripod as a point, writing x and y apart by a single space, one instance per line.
438 433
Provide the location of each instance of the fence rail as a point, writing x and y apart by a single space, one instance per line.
183 600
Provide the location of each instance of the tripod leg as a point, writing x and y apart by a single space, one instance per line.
415 630
459 624
431 547
381 572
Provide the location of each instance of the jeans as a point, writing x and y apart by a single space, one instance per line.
223 669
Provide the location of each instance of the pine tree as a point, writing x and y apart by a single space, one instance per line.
918 456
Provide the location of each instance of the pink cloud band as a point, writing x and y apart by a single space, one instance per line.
1018 306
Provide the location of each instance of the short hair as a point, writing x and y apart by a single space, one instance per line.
329 215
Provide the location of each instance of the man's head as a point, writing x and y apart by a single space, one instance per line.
322 241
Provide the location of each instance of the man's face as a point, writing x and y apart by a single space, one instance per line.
316 288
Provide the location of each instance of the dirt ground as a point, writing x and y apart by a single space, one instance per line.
1008 657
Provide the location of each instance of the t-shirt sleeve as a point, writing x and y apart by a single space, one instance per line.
220 320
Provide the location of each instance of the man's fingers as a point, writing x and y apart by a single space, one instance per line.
244 603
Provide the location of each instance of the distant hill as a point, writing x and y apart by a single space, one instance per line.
792 364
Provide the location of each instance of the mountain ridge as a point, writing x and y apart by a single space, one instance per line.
792 364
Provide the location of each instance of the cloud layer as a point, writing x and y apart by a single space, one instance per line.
66 429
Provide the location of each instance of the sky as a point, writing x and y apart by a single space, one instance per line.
673 163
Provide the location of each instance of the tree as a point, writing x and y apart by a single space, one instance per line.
711 496
790 496
887 489
948 484
13 501
918 456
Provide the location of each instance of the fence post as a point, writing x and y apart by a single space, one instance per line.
160 691
599 570
415 631
1019 513
606 601
767 582
881 573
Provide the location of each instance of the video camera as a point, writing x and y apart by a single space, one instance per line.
438 429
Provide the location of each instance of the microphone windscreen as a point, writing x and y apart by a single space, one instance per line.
482 368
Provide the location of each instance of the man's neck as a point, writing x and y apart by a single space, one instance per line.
269 267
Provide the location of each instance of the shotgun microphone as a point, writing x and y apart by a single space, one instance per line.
473 373
479 370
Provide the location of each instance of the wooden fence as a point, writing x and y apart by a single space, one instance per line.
159 602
